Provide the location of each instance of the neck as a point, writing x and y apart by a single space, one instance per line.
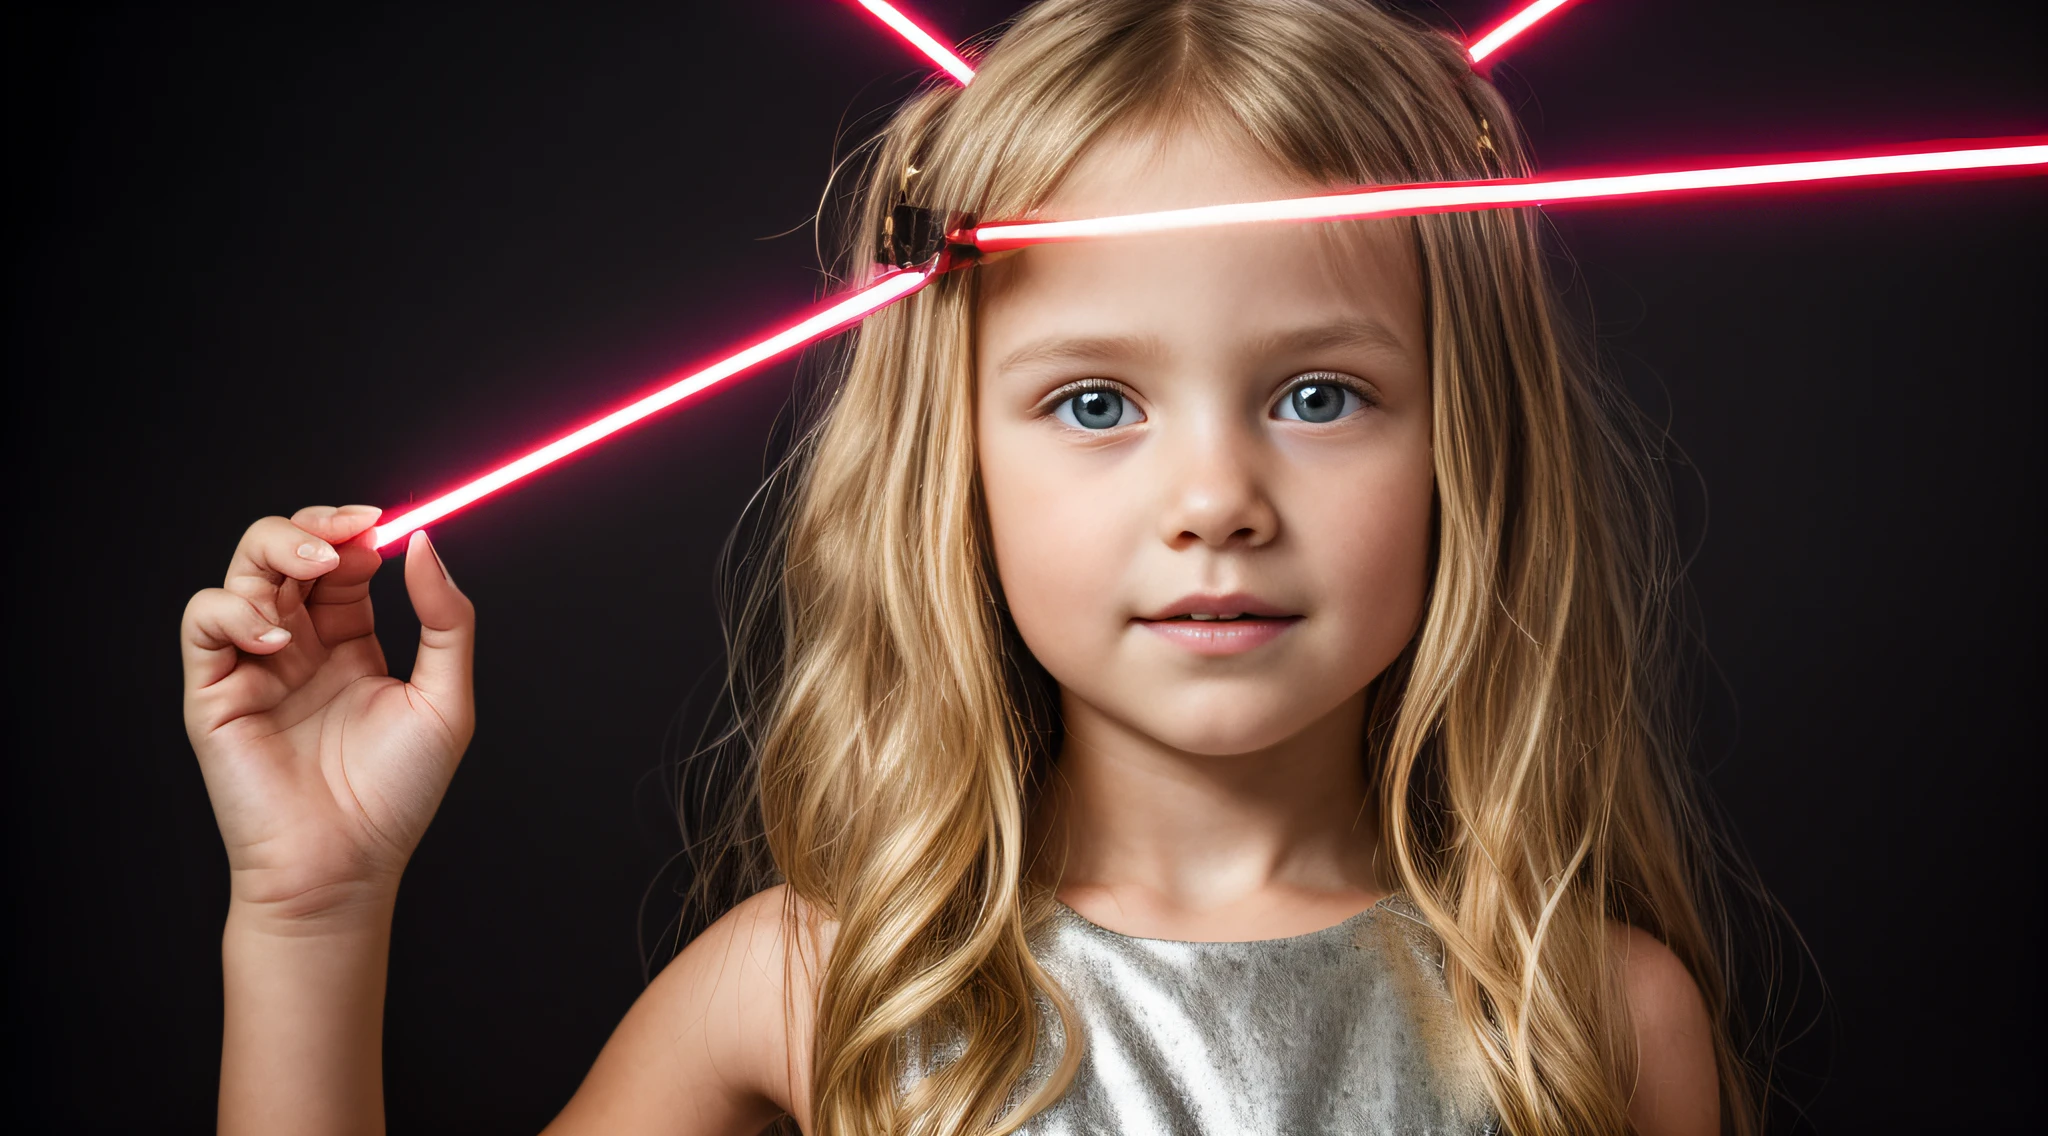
1153 840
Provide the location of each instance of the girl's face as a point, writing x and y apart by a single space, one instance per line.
1226 423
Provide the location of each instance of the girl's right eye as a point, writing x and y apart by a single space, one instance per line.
1097 408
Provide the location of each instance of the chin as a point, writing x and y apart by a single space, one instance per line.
1228 725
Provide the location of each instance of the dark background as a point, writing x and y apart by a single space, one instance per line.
266 257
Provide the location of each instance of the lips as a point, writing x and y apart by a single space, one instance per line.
1219 625
1230 606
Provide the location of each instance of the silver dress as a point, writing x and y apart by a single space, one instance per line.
1344 1030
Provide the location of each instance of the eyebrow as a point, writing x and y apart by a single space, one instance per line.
1083 349
1369 334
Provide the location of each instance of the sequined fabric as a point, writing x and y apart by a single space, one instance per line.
1344 1030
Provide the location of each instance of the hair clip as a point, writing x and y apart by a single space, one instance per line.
914 237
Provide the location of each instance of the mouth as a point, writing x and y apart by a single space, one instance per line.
1219 625
1228 608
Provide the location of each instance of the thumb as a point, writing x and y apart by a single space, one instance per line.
443 670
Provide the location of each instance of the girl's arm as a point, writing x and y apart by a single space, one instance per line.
1678 1088
302 1040
704 1052
323 772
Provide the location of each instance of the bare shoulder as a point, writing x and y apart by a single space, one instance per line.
719 1042
1678 1088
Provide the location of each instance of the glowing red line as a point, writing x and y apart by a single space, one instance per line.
1513 26
921 39
2028 155
1408 200
833 315
935 50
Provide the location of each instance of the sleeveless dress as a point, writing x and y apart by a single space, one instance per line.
1344 1030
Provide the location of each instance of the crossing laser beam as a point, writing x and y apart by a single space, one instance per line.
935 49
1511 27
922 40
2006 155
835 314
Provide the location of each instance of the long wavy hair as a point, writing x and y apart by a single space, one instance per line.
1528 767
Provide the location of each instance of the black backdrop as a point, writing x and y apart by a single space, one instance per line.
281 255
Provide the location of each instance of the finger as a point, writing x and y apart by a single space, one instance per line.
337 524
339 601
272 554
442 670
219 624
344 530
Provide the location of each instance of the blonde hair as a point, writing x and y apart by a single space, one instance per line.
1530 786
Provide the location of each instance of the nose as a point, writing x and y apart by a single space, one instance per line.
1216 490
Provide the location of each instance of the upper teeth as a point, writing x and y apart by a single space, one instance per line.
1232 615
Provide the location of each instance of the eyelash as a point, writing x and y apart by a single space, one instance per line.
1082 386
1366 399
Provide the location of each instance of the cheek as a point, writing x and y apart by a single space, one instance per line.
1058 530
1372 553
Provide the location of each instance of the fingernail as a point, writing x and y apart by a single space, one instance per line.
318 552
275 636
438 562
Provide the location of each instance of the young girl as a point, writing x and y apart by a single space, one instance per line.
1220 681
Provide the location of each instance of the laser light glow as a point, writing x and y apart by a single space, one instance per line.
1410 200
1513 26
935 49
2017 155
920 39
835 314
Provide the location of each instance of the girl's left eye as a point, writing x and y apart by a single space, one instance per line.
1318 398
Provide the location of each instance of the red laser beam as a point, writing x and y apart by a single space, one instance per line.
920 39
1511 27
2028 155
935 49
834 314
2014 155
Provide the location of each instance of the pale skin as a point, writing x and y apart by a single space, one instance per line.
1202 795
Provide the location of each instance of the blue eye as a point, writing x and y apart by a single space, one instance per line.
1098 409
1318 402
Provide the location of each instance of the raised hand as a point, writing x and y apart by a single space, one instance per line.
323 769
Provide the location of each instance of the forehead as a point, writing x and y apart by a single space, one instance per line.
1206 288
